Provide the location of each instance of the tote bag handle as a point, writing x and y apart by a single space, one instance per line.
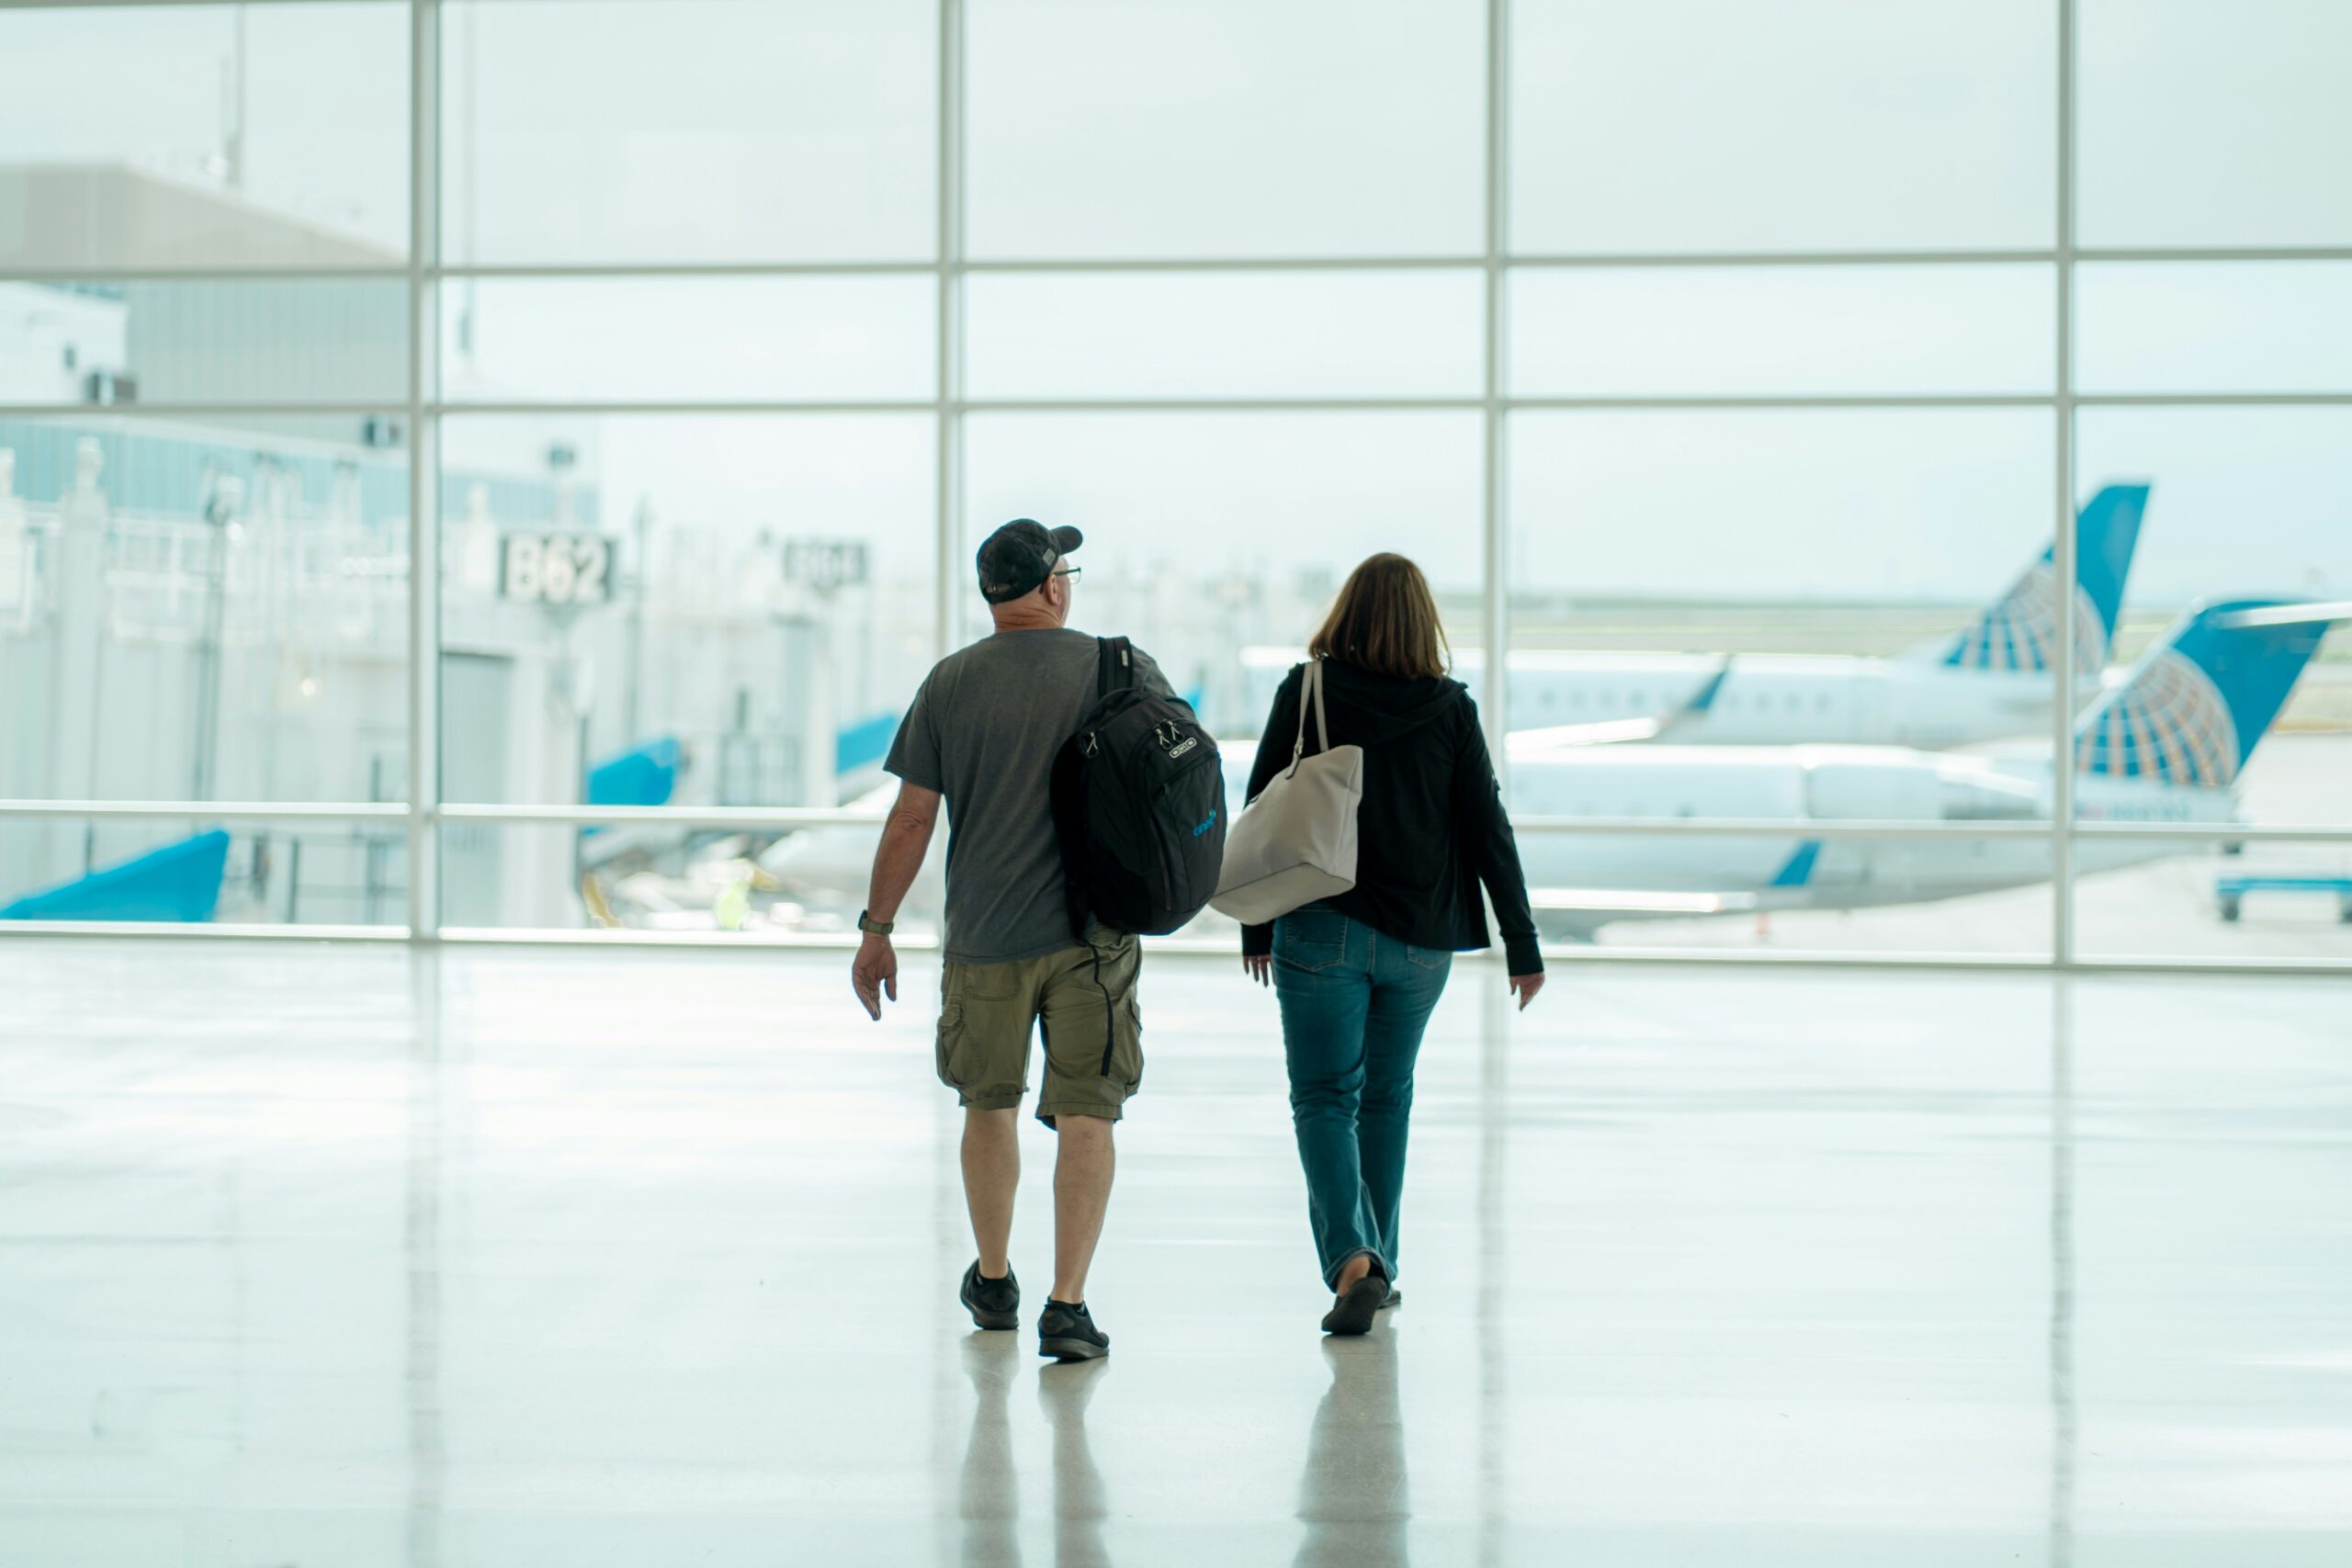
1310 684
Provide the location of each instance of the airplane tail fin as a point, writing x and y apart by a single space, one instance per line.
1797 870
2020 628
2197 704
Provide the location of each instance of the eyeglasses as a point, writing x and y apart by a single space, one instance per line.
1070 572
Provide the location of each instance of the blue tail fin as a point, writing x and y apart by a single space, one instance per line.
1798 871
866 742
180 882
2022 627
642 775
2106 532
2193 709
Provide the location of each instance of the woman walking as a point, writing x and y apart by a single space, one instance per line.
1357 974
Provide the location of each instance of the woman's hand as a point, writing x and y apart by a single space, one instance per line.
1259 966
1524 988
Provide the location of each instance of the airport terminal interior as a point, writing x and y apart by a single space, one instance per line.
481 482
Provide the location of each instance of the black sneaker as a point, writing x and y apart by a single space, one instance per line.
1066 1331
1352 1314
993 1303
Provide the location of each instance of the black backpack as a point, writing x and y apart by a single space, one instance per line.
1138 797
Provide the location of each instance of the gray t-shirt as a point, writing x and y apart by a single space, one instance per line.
983 732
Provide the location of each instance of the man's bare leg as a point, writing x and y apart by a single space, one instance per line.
1082 1173
991 1176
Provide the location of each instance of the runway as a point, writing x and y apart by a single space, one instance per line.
355 1257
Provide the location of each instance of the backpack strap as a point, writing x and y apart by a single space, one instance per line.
1113 665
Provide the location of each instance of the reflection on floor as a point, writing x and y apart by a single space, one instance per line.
326 1256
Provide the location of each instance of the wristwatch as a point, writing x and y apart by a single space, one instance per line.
875 928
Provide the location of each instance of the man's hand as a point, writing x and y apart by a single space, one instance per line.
1523 987
874 972
1259 966
906 834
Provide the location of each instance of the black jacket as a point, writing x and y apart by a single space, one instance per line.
1432 826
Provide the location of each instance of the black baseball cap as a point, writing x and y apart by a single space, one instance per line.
1019 556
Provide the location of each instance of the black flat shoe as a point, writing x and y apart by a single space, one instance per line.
1066 1331
1396 1298
993 1303
1352 1314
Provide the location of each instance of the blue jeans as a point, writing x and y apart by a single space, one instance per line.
1355 1004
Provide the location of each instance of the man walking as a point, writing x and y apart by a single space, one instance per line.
982 734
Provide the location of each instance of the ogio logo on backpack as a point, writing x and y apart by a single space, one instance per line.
1208 823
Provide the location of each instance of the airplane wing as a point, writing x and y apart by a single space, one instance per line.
2289 615
1522 744
1576 913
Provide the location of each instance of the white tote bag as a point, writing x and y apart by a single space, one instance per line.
1296 843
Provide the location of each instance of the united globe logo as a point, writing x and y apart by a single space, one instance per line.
2019 632
2170 723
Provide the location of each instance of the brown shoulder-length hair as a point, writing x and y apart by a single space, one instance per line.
1385 621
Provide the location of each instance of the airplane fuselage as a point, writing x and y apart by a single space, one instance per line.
1815 783
1764 700
1590 879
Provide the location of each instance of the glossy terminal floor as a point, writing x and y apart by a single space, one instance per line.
339 1257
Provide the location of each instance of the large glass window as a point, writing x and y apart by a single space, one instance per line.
2245 500
2215 326
737 587
693 611
1218 540
200 871
211 611
688 130
1225 128
282 341
1793 508
1771 634
1808 125
672 339
1740 335
1782 330
204 136
198 603
2212 124
1196 335
2226 719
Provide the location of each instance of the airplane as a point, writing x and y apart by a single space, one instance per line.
1988 681
2167 744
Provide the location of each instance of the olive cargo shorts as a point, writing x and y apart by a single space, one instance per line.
986 1012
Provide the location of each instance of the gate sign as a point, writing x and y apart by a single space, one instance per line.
825 564
555 568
